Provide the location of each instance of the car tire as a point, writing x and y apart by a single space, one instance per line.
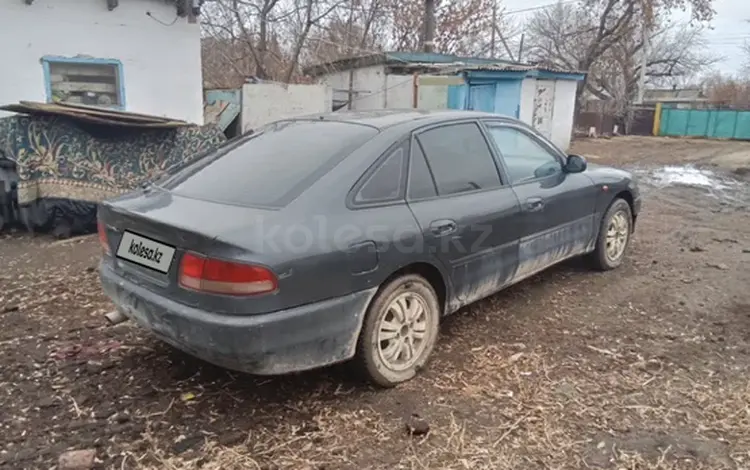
399 332
614 236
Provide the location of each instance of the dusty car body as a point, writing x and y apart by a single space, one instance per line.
324 238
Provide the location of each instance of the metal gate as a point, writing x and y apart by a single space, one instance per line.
482 98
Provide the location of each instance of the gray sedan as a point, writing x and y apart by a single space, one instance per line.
345 236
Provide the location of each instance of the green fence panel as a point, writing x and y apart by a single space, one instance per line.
710 123
675 122
742 128
697 122
723 127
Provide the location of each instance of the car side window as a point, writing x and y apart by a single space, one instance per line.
460 159
421 184
525 158
386 183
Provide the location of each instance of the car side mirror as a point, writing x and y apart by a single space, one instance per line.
575 164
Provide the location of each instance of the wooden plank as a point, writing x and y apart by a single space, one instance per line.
86 70
81 87
54 79
94 114
427 80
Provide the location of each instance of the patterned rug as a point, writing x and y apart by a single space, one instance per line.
65 167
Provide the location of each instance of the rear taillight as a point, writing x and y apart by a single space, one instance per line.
225 277
102 229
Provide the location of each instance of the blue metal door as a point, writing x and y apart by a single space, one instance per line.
482 98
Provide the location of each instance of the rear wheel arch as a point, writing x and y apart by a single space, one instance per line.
393 347
428 271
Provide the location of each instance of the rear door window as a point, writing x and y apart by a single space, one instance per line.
459 158
271 167
421 184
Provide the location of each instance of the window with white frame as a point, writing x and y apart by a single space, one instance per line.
86 82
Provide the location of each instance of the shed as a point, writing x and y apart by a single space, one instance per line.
541 97
383 80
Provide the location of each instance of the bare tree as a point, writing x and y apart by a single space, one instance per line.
265 38
677 52
238 32
724 90
575 37
461 26
353 30
578 36
746 53
272 38
428 25
307 14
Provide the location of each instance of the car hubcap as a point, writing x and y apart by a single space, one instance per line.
402 335
617 235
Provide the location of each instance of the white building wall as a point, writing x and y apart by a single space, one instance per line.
161 64
400 92
433 96
564 113
374 89
265 103
370 83
563 109
368 88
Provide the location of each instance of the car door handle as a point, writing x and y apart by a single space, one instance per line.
440 228
534 204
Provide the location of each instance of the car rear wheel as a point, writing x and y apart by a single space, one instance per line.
400 331
614 236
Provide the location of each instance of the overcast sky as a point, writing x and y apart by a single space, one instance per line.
730 29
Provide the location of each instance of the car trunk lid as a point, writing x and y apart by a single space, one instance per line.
149 233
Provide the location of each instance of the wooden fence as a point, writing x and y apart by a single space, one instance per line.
604 123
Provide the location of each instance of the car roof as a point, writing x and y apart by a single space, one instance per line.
385 118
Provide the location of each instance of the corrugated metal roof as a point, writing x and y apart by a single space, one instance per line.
436 58
456 67
656 94
436 63
521 68
394 58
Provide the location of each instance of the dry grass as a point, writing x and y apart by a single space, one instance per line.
516 409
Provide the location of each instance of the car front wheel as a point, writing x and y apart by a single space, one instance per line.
614 236
400 331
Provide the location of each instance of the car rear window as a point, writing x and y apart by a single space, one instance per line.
271 167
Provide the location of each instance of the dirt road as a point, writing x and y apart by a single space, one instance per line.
644 367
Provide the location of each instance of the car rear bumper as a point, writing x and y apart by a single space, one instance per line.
292 340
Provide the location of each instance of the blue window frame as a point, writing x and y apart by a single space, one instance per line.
83 80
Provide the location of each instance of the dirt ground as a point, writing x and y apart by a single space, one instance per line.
644 367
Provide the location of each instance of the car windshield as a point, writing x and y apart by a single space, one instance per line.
270 167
